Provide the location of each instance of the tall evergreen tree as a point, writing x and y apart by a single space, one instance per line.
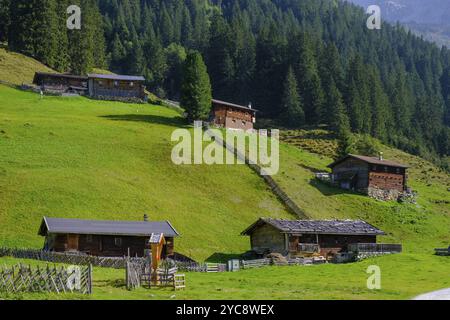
196 93
291 105
4 19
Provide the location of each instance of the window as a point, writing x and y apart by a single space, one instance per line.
89 238
118 242
397 170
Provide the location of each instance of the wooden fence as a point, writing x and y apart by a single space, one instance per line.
140 274
67 258
249 264
22 278
374 248
275 187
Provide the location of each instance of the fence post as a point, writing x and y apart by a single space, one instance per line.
90 271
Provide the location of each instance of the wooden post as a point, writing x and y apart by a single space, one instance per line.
90 270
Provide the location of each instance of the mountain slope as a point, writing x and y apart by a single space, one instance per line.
427 18
102 160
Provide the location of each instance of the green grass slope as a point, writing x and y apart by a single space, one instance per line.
16 68
75 157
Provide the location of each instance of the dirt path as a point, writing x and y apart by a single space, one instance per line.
436 295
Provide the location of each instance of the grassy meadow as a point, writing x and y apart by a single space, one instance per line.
75 157
403 277
80 158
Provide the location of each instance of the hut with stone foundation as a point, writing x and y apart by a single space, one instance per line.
307 237
374 176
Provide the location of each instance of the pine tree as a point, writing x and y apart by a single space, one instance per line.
4 19
196 88
310 87
45 32
219 58
61 59
291 107
20 35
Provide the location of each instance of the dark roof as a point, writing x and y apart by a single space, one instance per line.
123 228
60 75
228 104
343 227
371 160
116 77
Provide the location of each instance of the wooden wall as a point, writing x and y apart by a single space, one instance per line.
228 117
103 245
268 237
116 88
353 166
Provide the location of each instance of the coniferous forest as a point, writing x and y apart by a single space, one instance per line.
300 62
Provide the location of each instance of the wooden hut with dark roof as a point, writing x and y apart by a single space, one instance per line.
105 238
116 87
302 237
61 82
363 174
232 116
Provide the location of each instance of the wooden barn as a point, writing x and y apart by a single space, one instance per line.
303 237
116 87
105 238
61 82
232 116
365 174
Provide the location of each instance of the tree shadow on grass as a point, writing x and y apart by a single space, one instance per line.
178 122
220 257
329 190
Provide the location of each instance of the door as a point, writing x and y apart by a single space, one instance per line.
72 242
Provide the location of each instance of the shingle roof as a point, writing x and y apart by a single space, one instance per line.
60 75
123 228
371 160
233 105
116 77
343 227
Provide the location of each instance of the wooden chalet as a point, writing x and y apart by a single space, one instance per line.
116 87
306 237
232 116
106 238
61 82
365 174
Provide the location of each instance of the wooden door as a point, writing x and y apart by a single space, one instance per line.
72 242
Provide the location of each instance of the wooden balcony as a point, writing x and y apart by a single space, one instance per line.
308 247
374 248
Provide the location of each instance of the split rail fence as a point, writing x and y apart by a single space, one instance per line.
21 278
68 258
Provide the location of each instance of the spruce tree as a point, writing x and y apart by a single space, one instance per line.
20 33
4 19
291 107
196 88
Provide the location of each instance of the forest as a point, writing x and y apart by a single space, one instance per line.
302 63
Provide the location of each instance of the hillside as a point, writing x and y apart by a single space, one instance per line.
103 160
420 227
89 159
17 69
